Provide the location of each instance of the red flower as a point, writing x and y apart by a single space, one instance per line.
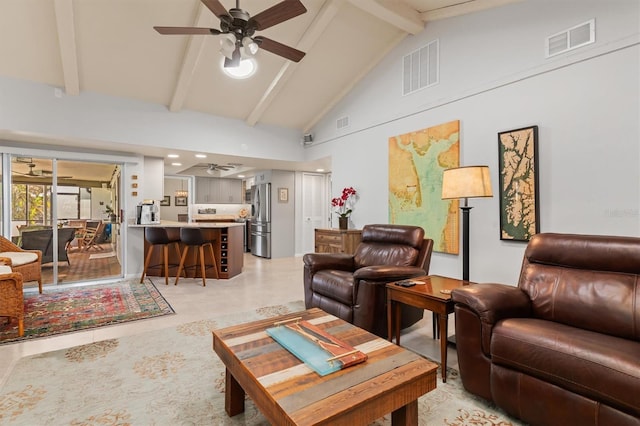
342 205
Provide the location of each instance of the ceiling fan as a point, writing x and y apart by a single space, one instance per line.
239 29
212 168
39 173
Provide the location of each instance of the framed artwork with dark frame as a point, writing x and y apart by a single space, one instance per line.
518 176
180 201
166 201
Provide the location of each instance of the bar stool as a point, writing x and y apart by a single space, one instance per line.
193 237
160 237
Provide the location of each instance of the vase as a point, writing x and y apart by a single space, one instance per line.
343 222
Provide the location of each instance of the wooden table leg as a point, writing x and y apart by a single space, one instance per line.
406 416
443 320
397 320
389 318
233 395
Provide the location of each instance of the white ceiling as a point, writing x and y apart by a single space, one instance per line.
110 47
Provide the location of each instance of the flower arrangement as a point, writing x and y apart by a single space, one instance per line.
343 205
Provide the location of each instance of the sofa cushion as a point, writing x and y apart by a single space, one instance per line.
337 285
598 366
5 269
19 257
569 277
370 254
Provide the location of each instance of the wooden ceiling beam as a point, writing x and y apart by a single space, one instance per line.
463 8
67 43
348 87
313 33
193 52
394 12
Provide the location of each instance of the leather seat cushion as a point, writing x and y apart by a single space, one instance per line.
337 285
595 365
19 258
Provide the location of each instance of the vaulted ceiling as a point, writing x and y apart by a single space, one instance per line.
110 47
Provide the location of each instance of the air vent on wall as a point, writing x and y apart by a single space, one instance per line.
342 122
421 68
571 38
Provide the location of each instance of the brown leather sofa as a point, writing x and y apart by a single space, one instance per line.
352 287
563 347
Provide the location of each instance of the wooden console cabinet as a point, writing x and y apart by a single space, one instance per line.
337 240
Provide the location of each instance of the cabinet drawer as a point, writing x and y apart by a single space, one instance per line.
329 238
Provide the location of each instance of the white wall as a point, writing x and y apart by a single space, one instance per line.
171 185
100 199
494 77
99 121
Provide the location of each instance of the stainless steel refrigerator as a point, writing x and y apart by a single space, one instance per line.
261 220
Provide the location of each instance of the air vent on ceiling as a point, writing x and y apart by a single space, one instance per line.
421 68
571 38
342 122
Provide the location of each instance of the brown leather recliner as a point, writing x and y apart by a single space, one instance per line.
563 347
352 287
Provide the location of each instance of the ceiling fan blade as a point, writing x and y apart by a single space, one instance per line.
216 7
186 30
281 12
280 49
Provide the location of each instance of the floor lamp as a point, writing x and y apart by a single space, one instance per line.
466 182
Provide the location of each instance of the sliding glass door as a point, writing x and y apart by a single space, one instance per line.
67 209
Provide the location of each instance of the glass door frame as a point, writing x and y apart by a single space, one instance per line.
6 155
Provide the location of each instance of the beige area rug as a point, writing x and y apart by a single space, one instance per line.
101 255
172 377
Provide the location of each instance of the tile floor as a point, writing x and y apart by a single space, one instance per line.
263 282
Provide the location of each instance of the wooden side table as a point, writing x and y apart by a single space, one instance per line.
431 292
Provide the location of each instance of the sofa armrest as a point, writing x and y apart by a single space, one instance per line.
314 262
387 273
493 302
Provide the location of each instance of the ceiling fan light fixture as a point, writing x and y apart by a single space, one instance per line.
250 46
228 45
246 68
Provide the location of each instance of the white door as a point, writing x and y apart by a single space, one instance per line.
314 208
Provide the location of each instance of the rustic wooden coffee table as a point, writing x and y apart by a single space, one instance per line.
288 392
433 294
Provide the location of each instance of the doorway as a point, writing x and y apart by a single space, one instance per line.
67 210
314 208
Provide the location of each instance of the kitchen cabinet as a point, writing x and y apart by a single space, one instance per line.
218 191
228 247
337 240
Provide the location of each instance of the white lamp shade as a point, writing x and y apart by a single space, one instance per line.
466 182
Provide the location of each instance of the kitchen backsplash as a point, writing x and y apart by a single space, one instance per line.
218 210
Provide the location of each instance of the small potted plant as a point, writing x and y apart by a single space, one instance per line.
110 213
343 206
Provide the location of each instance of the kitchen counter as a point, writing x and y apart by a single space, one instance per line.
228 247
175 224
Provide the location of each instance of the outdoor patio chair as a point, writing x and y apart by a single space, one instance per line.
92 236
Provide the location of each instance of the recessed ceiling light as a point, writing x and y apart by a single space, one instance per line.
240 176
201 156
176 164
173 156
246 69
319 170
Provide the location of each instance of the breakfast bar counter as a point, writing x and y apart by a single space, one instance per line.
228 247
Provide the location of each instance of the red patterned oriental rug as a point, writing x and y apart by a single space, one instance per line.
64 310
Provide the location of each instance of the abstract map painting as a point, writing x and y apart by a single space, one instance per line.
416 163
518 183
